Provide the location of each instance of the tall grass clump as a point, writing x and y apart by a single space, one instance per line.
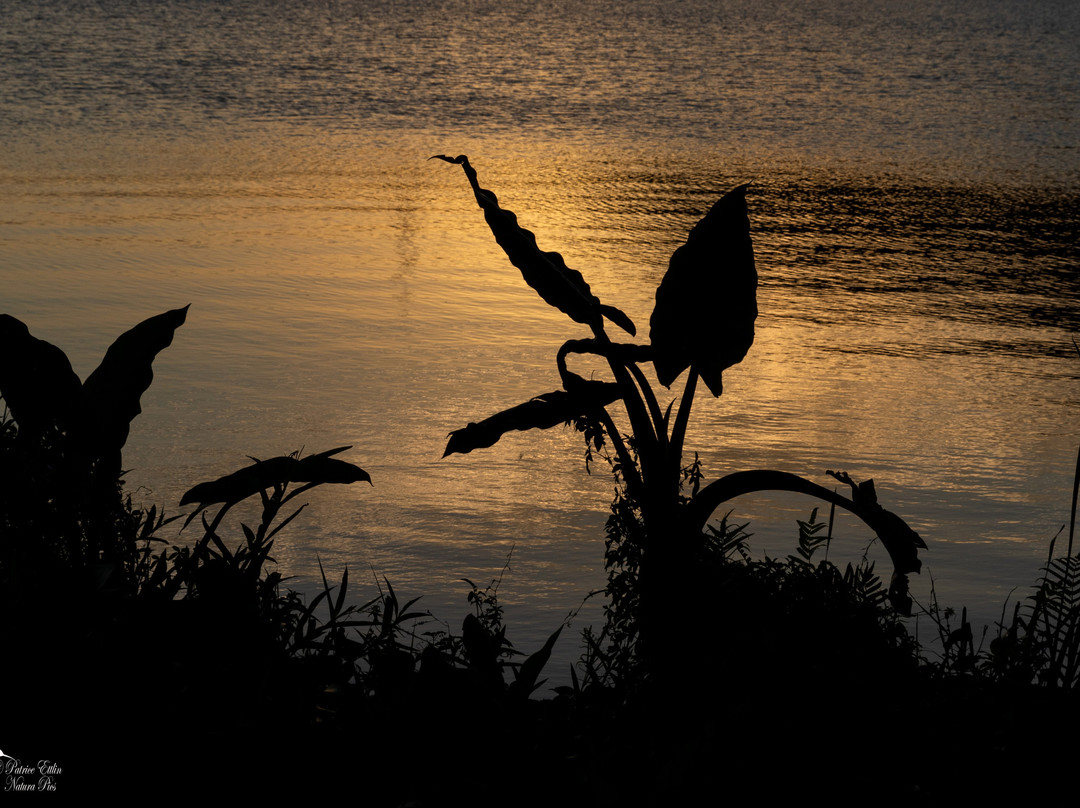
1040 642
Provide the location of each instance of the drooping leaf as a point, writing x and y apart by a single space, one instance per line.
899 539
110 396
262 474
322 468
546 272
240 484
707 302
36 379
542 412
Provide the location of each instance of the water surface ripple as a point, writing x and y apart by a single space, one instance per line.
914 202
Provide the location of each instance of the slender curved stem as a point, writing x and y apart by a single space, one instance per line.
659 422
630 471
640 424
682 419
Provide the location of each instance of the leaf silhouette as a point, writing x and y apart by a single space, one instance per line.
530 669
321 468
546 272
707 302
542 412
262 474
110 396
36 379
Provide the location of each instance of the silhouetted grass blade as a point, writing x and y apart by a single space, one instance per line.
546 272
542 412
707 302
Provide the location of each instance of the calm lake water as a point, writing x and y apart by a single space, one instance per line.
914 207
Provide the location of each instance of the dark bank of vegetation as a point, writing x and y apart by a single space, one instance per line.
144 667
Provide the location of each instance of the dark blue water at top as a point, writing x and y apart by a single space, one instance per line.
968 88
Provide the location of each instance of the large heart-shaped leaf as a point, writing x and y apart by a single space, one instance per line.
546 272
707 302
36 379
542 412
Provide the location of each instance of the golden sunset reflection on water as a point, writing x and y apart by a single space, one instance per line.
915 238
320 318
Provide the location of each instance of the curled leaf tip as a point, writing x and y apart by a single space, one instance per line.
461 159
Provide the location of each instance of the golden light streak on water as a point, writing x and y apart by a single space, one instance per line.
914 218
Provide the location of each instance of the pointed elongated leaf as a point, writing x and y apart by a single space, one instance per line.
36 379
263 474
546 272
526 681
110 396
707 302
542 412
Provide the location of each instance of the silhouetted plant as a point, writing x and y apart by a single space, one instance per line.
374 649
1038 643
816 617
62 511
212 563
1041 641
810 538
703 323
482 654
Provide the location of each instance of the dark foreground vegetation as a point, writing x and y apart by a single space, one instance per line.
154 670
